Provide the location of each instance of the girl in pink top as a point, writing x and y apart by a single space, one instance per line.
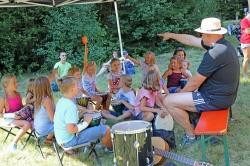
148 97
12 102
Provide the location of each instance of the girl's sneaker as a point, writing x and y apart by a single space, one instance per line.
12 147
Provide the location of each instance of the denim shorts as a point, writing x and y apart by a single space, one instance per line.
138 117
87 135
173 89
200 104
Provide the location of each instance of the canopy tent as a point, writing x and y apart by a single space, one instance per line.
48 3
58 3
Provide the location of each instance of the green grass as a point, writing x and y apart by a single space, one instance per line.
238 135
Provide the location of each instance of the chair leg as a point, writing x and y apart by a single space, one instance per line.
40 148
9 132
57 153
226 153
97 158
231 114
26 142
203 148
92 150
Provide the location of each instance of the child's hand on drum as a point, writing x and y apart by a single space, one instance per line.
163 114
88 118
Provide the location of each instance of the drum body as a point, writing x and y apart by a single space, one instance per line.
96 120
83 101
132 143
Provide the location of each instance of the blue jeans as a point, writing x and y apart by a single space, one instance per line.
87 135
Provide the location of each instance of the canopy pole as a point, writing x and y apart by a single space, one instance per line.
118 27
119 35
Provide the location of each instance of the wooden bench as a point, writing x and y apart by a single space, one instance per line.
213 124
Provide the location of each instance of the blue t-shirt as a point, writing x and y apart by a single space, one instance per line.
66 113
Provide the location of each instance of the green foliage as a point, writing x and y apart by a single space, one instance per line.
20 34
66 26
142 20
31 38
229 8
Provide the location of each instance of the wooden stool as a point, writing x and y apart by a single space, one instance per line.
213 123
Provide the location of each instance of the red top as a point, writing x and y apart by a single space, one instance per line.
174 80
244 24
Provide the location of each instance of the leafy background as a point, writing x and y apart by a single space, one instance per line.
31 38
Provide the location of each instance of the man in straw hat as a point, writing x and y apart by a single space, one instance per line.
215 84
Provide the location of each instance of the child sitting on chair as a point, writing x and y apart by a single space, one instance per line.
69 131
124 100
30 92
82 99
147 97
44 109
11 102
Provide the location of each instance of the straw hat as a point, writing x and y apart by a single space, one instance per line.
211 26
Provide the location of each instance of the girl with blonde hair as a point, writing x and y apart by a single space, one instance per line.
146 64
44 108
148 96
11 103
68 131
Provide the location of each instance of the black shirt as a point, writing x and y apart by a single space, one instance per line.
221 66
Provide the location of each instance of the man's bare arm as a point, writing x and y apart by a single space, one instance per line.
182 38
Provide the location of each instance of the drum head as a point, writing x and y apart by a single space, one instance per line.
166 123
131 127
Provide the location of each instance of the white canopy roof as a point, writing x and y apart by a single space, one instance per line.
48 3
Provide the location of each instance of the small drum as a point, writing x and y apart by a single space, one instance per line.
166 123
96 119
118 107
132 143
83 101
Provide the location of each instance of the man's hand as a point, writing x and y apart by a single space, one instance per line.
165 36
